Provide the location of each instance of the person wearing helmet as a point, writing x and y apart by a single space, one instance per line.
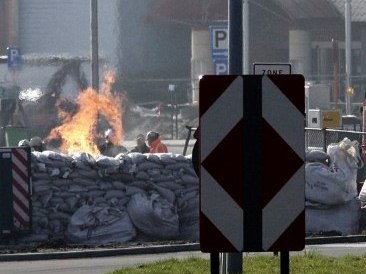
36 144
155 144
141 146
23 143
108 148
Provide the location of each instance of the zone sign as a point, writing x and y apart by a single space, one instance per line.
271 69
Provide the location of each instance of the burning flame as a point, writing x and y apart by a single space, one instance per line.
78 131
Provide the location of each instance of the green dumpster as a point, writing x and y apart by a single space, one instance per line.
13 134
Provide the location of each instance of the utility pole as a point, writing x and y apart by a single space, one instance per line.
348 38
94 43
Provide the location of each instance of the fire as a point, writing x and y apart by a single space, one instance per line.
79 129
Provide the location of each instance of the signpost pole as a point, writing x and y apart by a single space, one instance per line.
235 260
215 263
285 262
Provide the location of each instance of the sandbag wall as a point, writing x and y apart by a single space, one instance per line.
100 200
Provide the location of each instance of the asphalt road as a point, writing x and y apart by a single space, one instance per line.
102 265
87 266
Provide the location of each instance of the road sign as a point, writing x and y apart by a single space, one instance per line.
219 38
15 189
14 59
221 66
252 163
271 68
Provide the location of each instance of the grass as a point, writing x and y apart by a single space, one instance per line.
310 263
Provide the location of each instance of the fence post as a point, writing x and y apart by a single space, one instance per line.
324 130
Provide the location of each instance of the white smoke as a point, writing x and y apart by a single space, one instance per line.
31 95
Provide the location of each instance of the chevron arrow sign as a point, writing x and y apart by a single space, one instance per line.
252 163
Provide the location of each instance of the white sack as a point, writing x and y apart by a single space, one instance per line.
342 218
154 216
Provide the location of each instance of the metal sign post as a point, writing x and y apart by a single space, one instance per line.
235 260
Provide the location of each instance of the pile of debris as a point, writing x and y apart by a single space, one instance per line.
103 200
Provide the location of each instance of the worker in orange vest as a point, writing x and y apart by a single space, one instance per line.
155 144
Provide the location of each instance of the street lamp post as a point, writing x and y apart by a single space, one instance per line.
348 29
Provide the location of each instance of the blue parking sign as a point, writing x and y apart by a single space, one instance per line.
221 66
14 59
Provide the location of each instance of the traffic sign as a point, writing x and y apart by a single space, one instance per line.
14 59
221 66
271 68
252 173
219 38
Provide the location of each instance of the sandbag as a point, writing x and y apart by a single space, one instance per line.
98 225
334 184
326 185
343 219
154 216
59 191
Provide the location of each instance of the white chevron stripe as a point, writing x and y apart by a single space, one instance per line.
221 117
22 152
19 164
283 209
21 197
20 211
223 212
20 181
279 112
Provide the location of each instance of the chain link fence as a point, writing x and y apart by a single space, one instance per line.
319 139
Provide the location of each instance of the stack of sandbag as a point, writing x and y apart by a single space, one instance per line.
105 199
331 198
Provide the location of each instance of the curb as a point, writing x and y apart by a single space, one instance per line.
93 253
335 240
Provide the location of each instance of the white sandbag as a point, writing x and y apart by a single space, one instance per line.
114 194
55 156
146 165
165 193
189 179
95 193
41 186
88 173
362 195
326 185
84 158
153 157
105 162
118 185
84 181
76 188
316 156
346 156
142 175
335 184
170 185
189 219
97 225
137 157
154 216
61 182
178 165
167 158
343 219
105 185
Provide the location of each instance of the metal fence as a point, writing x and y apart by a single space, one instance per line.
319 139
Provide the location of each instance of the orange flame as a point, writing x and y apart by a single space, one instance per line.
78 132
